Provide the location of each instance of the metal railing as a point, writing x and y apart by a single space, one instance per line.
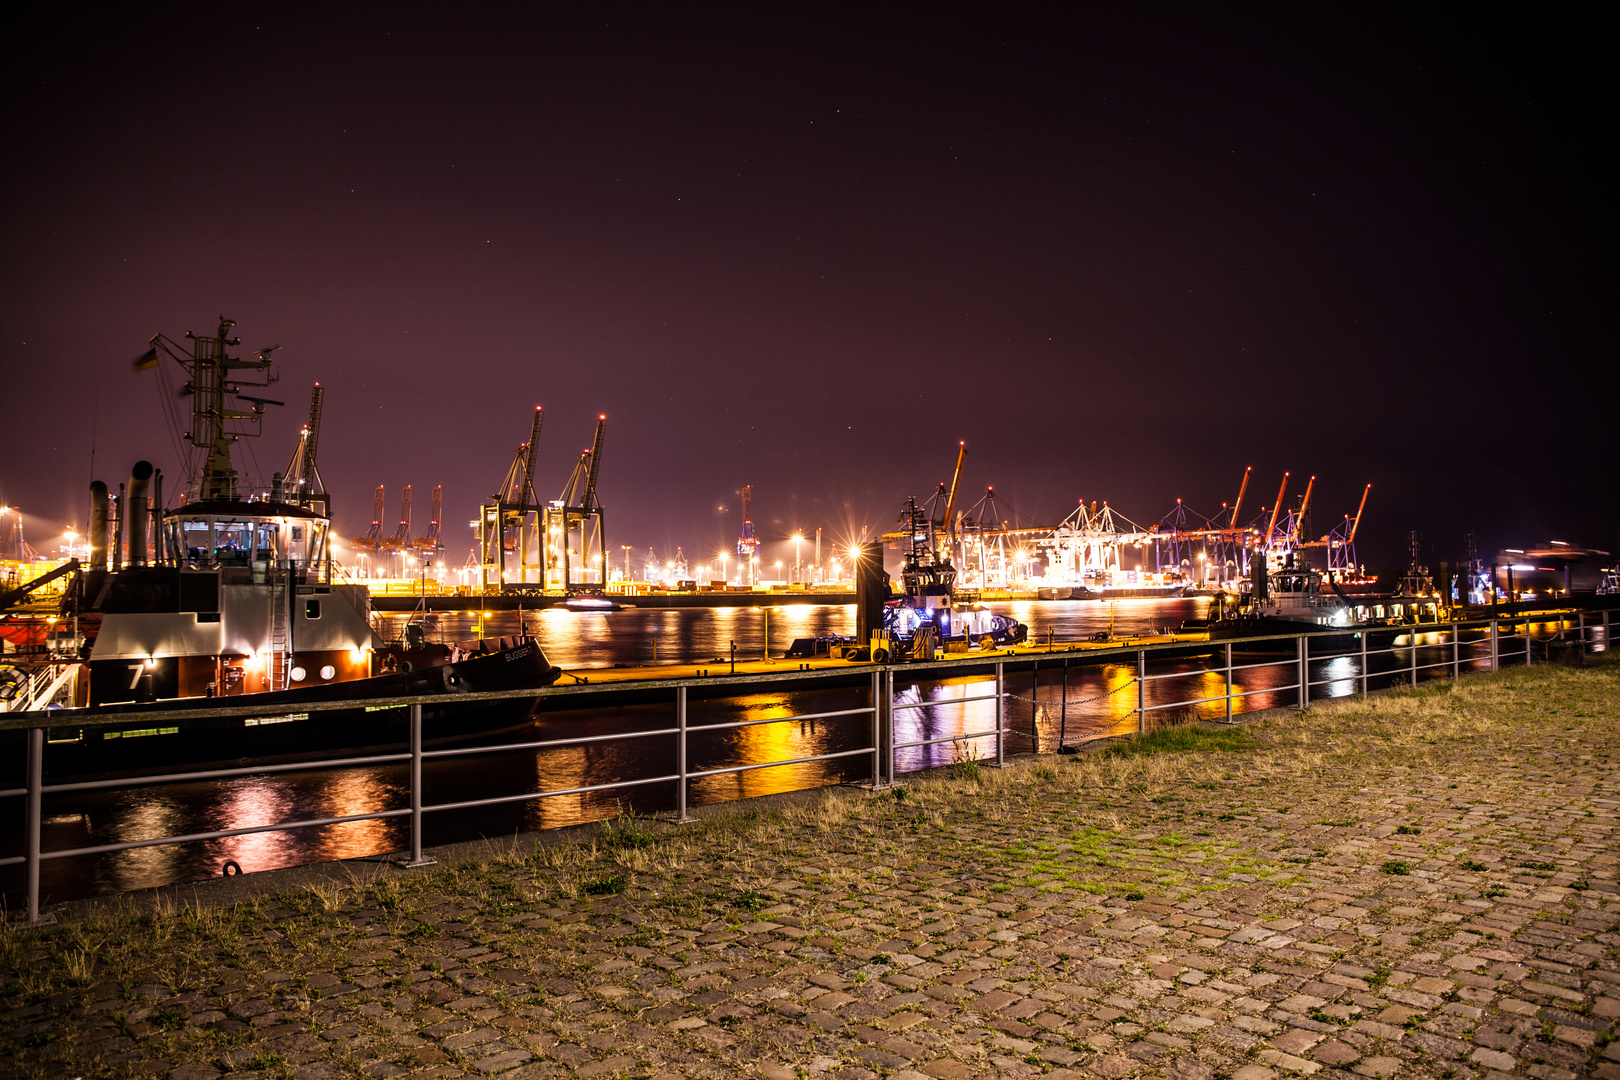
882 749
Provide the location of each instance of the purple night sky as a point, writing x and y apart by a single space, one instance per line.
1123 254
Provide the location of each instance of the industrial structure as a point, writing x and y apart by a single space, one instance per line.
561 546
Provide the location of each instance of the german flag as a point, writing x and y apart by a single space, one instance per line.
147 360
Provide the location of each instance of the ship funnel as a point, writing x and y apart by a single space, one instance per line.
136 511
98 525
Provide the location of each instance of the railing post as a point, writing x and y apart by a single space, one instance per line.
36 783
1456 653
1035 707
1141 691
417 859
1580 617
1001 719
681 816
1304 673
1527 641
888 717
877 734
1228 682
1496 646
1414 653
1364 634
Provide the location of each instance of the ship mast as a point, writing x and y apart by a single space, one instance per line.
211 382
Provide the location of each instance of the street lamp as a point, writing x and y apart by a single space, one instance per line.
797 571
723 556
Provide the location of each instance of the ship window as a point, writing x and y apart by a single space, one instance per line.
312 609
297 674
328 671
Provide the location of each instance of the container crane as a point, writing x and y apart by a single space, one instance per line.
578 508
372 540
402 535
510 521
431 544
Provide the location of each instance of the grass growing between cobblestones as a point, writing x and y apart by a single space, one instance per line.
1195 903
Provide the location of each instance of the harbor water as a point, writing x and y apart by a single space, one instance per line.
1066 699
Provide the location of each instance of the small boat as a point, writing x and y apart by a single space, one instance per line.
593 602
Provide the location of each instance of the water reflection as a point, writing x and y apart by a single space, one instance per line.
1066 699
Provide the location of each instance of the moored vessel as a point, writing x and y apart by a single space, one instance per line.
230 598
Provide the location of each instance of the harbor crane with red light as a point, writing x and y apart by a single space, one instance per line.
578 512
509 524
372 541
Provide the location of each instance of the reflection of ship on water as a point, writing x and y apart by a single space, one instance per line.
230 599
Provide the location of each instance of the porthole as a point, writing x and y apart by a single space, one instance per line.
297 674
328 671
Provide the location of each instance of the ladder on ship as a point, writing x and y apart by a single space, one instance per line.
280 655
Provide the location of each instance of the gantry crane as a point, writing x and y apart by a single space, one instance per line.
579 509
372 540
510 521
430 545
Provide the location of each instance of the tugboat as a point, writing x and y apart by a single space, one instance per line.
927 607
1286 601
925 616
230 598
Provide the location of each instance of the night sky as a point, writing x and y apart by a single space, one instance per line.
1123 254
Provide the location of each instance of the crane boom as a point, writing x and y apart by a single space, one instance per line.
1299 521
316 397
596 462
1237 506
1357 523
956 480
1270 528
526 496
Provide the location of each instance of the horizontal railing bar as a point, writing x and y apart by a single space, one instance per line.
775 764
1194 701
864 710
945 701
532 795
462 751
13 791
1268 663
948 738
130 845
1182 674
219 774
13 860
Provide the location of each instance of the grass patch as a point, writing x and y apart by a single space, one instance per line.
1185 739
611 885
1398 867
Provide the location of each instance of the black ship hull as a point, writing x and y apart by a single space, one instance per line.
152 743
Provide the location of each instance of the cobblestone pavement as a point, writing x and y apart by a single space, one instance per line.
1416 885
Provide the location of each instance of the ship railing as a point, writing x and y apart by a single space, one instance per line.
1486 643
